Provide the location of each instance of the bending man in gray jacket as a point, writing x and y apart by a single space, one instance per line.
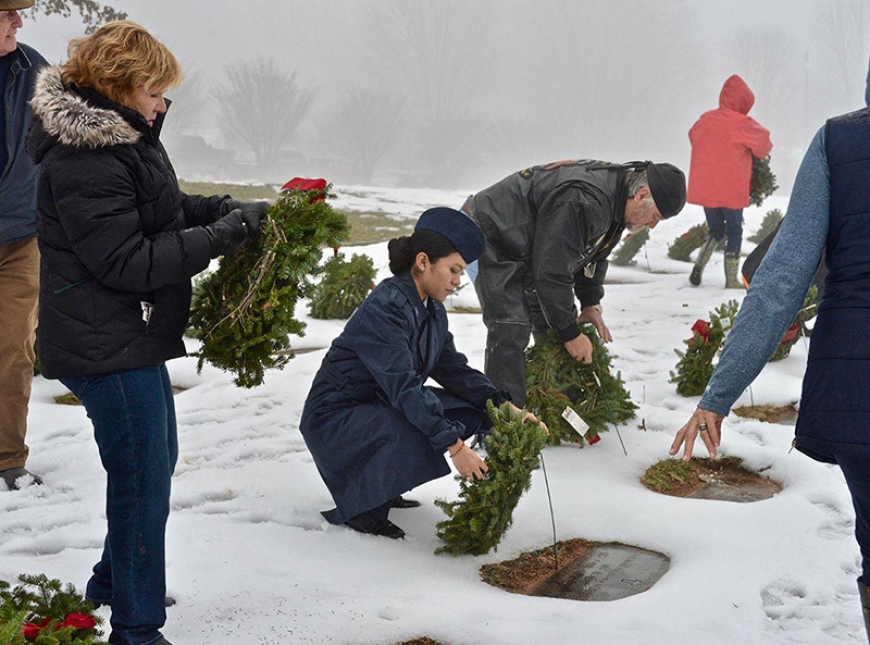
549 230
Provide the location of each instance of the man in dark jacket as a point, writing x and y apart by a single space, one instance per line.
549 230
19 255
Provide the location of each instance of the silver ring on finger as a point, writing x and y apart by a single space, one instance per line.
702 427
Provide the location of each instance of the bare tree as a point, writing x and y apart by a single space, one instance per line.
363 126
187 107
93 14
440 54
769 63
843 28
262 107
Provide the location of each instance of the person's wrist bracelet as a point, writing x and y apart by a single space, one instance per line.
453 453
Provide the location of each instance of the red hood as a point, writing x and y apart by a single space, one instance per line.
736 95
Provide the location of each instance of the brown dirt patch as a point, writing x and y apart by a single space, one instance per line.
768 413
681 479
525 573
423 640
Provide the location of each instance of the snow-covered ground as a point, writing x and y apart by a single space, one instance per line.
250 560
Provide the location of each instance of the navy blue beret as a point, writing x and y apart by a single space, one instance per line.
459 229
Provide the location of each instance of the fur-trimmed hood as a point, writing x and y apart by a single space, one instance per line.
68 118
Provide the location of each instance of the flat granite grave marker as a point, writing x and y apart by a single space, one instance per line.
606 572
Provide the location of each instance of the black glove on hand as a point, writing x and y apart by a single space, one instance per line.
228 233
252 214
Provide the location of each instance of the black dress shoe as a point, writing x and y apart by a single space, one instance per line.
401 502
365 523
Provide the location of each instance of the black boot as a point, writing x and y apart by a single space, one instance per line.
704 256
864 594
17 478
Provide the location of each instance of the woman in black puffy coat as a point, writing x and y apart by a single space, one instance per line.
119 244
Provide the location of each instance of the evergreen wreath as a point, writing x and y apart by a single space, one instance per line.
477 522
555 381
763 183
768 225
245 311
695 366
799 327
628 248
343 286
42 612
686 243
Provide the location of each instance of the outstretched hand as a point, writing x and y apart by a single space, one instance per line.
592 315
704 423
528 416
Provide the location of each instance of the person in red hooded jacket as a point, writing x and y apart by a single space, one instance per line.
724 141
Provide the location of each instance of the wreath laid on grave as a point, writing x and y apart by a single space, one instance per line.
245 310
686 243
695 366
43 612
763 183
555 381
629 247
799 327
477 522
343 286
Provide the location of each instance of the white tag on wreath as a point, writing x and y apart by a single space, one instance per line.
574 419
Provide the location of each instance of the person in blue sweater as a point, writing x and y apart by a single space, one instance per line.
371 422
829 211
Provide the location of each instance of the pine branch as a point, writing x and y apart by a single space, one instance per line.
686 243
554 380
477 522
695 366
629 247
245 311
343 287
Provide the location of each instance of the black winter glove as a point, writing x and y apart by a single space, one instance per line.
228 233
252 214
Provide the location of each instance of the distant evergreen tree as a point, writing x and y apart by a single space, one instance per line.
555 381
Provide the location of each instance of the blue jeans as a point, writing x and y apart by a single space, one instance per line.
722 222
134 424
856 470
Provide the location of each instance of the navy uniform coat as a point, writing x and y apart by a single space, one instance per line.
374 429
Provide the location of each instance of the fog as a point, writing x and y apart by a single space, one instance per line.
459 93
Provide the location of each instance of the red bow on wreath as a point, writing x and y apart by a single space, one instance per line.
308 184
77 621
702 328
790 333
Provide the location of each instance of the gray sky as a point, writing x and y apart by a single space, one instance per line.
488 86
